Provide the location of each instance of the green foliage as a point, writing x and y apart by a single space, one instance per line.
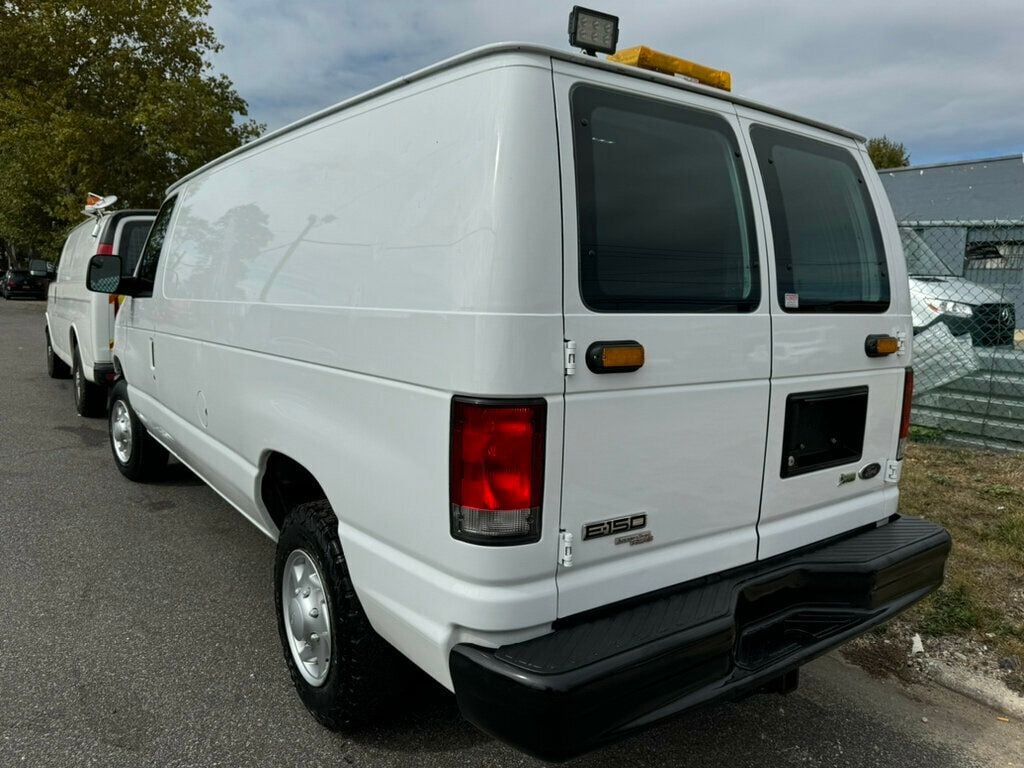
953 610
926 434
886 153
114 97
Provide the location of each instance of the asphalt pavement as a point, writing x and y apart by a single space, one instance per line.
137 629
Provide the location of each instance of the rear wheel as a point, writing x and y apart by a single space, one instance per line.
55 367
88 396
138 456
340 666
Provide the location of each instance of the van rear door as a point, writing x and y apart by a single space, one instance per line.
837 279
663 464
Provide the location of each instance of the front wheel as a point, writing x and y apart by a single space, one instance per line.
138 456
55 367
340 666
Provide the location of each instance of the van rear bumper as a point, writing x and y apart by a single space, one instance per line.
601 675
103 373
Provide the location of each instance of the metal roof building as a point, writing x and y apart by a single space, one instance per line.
967 190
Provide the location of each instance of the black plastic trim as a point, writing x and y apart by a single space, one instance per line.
855 400
719 637
101 370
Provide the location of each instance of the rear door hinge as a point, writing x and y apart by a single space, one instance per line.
570 359
565 553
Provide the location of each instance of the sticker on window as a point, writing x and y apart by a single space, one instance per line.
792 300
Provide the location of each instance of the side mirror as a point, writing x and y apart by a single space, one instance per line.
37 268
104 275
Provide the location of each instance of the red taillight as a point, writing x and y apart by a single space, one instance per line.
908 396
497 470
105 249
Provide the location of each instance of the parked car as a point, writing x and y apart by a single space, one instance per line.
526 384
939 295
21 282
80 323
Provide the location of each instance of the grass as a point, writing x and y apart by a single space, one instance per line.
979 497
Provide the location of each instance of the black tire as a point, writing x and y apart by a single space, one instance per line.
55 367
89 398
147 459
361 676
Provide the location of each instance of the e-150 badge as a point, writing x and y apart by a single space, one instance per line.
614 526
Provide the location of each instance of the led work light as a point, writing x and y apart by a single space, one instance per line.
593 31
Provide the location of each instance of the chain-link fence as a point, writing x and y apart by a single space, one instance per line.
967 298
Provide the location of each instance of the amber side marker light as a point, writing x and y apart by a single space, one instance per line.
646 58
615 356
881 345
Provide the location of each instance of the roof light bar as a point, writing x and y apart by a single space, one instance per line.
593 31
646 58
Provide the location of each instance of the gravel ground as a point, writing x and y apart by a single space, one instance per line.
137 629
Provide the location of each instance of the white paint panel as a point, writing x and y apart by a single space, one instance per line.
329 291
682 439
822 351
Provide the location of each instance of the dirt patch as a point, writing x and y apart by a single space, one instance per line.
880 658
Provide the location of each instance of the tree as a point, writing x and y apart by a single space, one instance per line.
115 97
886 153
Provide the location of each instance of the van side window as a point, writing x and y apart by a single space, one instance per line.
829 255
133 238
665 220
154 244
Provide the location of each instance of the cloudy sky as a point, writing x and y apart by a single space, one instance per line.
945 77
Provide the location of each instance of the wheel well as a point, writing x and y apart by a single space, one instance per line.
285 485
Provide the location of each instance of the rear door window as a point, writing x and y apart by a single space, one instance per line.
829 255
665 221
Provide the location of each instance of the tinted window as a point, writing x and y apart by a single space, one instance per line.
828 248
133 237
151 252
664 210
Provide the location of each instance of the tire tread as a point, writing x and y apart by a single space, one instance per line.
364 664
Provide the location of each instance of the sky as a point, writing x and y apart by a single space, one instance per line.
944 77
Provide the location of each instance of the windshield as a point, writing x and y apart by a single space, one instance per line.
922 261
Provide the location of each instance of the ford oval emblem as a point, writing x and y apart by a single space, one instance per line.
870 471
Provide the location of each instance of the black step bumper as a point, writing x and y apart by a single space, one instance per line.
599 676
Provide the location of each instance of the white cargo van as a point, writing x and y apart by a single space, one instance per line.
80 324
584 387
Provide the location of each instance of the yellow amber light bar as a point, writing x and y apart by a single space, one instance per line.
645 58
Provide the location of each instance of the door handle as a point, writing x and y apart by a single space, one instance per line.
615 356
